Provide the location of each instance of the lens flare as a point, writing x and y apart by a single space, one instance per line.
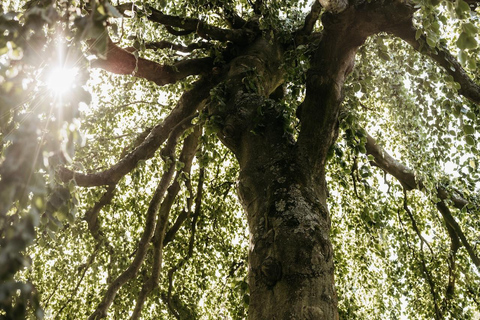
61 80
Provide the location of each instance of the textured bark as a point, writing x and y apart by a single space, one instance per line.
291 256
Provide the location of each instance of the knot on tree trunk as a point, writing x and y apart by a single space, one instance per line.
312 313
272 271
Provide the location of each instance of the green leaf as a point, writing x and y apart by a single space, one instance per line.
468 129
357 87
383 55
462 9
466 41
470 29
431 40
418 34
470 140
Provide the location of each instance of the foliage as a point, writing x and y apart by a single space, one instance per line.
62 244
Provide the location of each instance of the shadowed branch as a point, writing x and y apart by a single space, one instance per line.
186 157
181 263
121 61
204 30
186 106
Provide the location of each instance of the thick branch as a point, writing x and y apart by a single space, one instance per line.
450 220
204 30
175 227
186 106
311 18
452 276
469 89
334 6
233 19
120 61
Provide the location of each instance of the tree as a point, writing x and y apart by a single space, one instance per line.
192 98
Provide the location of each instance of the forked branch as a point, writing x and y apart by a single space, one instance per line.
204 30
405 175
186 157
181 263
311 18
450 221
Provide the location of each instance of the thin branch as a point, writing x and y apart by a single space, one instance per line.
354 178
91 216
414 224
186 157
469 89
132 103
450 220
185 214
177 47
186 106
121 61
204 30
406 177
181 263
85 267
424 269
473 295
169 153
54 291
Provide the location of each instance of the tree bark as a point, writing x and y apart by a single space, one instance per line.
291 257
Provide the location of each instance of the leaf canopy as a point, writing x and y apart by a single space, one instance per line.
80 171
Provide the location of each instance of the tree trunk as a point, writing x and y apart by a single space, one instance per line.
290 258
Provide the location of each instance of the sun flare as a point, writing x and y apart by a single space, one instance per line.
61 80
